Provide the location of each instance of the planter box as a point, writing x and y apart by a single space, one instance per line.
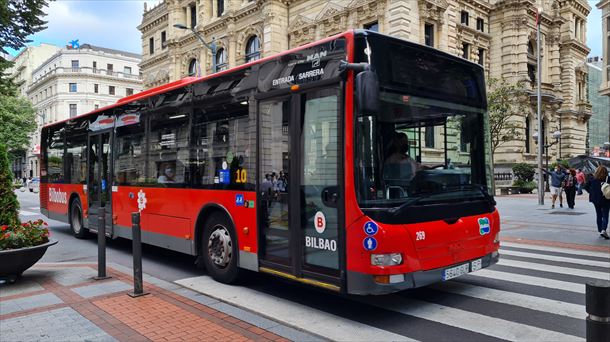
13 262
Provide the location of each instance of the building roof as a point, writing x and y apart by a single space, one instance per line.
107 50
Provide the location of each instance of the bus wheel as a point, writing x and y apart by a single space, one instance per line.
220 249
76 219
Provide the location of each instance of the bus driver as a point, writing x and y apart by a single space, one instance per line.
398 165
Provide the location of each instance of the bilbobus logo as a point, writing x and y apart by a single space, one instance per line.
57 196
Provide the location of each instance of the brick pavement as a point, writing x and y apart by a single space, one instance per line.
62 302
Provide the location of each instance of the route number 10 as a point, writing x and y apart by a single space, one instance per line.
241 176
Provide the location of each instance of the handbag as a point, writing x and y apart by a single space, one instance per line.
606 189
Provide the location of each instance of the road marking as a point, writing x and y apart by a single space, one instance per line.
483 324
557 258
290 313
555 249
554 269
27 213
529 280
512 298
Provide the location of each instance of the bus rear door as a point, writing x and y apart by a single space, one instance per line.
99 179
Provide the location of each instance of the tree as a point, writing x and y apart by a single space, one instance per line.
17 118
18 20
505 103
9 206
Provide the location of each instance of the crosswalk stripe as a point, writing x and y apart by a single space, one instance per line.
554 249
475 322
288 312
512 298
554 269
529 280
27 213
556 258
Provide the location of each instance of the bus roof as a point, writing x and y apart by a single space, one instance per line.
190 80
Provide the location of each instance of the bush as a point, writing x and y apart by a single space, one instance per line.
27 234
563 163
9 206
524 172
525 187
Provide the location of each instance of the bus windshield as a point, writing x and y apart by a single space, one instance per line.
419 151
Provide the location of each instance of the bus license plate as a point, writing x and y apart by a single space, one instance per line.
476 265
456 271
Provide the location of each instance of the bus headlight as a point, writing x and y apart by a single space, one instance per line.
497 238
386 259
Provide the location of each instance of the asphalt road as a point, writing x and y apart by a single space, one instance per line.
534 293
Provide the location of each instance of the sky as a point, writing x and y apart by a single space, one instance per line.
113 24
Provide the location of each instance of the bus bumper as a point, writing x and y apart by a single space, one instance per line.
364 284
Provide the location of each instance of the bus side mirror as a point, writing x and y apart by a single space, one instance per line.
367 92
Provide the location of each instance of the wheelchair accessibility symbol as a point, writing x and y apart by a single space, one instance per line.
370 228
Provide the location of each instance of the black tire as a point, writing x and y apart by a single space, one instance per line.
220 266
76 220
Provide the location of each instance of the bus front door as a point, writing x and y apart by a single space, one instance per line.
99 182
299 193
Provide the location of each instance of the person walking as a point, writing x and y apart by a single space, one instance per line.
580 181
570 188
593 186
557 182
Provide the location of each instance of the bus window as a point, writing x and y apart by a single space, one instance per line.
76 153
130 157
169 148
55 155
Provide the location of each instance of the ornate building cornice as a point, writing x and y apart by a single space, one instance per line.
433 10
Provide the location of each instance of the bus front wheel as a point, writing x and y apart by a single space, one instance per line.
76 219
220 250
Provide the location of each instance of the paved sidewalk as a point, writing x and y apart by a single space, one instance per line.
61 302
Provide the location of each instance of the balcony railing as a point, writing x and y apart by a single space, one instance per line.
86 70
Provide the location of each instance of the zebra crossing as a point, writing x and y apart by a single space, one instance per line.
533 293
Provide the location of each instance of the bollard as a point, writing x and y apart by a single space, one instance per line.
101 245
598 308
136 240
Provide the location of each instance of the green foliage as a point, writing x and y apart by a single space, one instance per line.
562 162
524 172
525 187
18 20
28 234
9 206
505 103
18 121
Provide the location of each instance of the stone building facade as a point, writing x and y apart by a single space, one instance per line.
74 81
500 35
599 124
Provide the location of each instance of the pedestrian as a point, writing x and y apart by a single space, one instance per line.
593 186
580 180
570 187
557 183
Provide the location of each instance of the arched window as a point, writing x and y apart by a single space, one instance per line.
221 59
530 49
253 49
193 68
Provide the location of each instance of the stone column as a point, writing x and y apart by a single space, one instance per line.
275 26
399 18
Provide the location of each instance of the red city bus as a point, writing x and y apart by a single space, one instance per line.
359 163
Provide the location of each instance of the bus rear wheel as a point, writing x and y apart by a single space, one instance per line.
76 220
220 250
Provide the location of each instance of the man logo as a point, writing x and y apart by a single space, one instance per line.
315 58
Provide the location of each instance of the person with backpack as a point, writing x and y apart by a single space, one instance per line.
599 194
570 188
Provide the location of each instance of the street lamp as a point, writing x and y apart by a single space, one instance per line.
211 46
539 103
537 138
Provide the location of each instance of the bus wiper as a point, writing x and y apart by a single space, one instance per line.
455 188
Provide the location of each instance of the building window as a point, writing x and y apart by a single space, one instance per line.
192 67
72 110
530 49
193 16
465 50
253 48
527 135
128 91
464 18
429 137
220 7
221 59
96 106
151 45
94 66
481 24
109 69
96 88
111 90
163 40
531 72
374 26
429 34
73 87
127 70
481 56
75 65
